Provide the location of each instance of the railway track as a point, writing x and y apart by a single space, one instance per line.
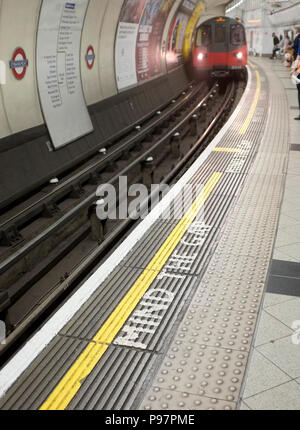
52 243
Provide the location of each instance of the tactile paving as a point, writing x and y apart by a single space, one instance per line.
104 390
209 355
219 326
213 374
162 399
41 377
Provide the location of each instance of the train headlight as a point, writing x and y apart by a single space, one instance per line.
239 55
201 56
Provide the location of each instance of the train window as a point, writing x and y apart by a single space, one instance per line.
220 34
237 34
204 36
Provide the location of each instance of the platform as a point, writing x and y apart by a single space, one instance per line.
170 320
274 371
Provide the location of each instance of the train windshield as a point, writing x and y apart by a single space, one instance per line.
220 34
204 36
237 34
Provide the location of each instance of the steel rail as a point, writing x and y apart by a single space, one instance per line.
84 174
90 262
30 245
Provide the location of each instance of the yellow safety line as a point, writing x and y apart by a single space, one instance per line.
253 107
251 64
227 150
70 384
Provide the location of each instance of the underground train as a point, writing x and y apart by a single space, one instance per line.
220 48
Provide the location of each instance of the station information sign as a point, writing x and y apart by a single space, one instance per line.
19 63
90 57
58 70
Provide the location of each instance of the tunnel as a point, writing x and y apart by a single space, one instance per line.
125 59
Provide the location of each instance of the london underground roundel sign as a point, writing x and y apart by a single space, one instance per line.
19 63
90 57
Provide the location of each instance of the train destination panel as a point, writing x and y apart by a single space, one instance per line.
58 70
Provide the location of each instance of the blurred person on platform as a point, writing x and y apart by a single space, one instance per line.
276 48
281 43
296 70
289 55
286 41
296 42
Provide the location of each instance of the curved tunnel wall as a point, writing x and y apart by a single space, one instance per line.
25 158
19 106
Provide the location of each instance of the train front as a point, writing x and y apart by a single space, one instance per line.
220 48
